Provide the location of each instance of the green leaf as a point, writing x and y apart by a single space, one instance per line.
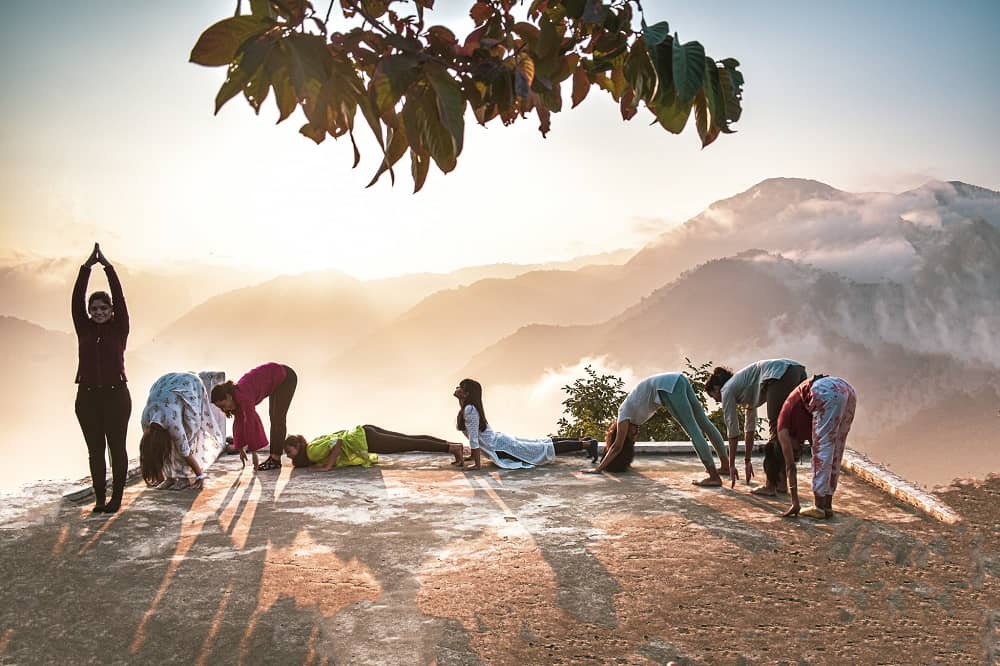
450 102
661 57
581 86
234 83
731 95
671 112
701 118
393 152
713 96
375 7
393 75
656 33
433 134
284 95
317 134
217 46
261 8
420 164
308 58
688 66
549 40
257 89
639 71
278 65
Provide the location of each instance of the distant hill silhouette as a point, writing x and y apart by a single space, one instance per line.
896 292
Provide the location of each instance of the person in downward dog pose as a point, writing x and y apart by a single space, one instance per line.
821 410
179 432
672 390
505 450
273 381
767 381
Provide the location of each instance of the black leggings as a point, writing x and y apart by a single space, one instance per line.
277 411
562 445
103 413
776 391
381 440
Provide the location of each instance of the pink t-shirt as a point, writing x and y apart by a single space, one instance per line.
795 416
251 389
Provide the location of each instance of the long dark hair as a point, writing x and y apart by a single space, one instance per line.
624 459
301 459
774 463
222 391
720 375
154 451
473 396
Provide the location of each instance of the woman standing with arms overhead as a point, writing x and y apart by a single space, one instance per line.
103 403
273 381
504 450
767 381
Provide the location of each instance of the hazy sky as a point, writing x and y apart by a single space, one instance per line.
107 133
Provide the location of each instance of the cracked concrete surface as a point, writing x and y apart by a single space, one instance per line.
413 562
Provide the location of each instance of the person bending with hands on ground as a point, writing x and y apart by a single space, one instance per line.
103 403
672 390
821 410
767 381
273 381
179 433
360 446
505 450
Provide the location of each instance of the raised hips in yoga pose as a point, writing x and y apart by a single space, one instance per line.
821 410
767 381
673 391
179 432
273 381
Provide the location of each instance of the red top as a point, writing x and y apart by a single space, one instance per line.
251 389
794 417
101 346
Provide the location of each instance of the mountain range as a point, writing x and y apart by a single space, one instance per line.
898 293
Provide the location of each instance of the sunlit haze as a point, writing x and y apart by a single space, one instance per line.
108 135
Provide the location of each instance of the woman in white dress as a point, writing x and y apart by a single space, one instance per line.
505 450
180 433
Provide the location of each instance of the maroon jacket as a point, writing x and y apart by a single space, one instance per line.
102 346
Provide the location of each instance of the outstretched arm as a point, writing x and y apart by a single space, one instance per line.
117 293
331 458
78 307
785 438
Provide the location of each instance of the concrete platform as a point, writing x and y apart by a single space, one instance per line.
413 562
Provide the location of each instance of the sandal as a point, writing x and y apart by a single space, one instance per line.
270 463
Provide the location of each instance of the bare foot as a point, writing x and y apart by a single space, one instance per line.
765 491
723 471
470 467
708 482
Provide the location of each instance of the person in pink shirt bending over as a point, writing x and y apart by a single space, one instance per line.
273 381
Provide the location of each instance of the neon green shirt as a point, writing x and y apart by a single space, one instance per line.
353 451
